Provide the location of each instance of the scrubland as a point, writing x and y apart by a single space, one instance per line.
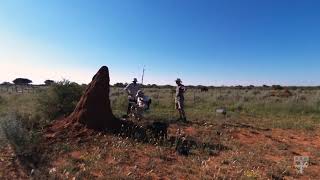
258 137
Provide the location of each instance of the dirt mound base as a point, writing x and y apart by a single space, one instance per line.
93 113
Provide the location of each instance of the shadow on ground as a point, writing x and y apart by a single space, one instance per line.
157 132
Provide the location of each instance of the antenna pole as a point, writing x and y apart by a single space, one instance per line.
142 75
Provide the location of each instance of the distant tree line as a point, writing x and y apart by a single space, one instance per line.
6 83
202 88
206 88
48 82
25 81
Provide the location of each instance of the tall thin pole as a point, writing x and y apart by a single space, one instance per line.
142 75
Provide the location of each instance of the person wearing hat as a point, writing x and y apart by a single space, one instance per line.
179 99
132 89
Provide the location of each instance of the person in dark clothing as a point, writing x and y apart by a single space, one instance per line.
179 99
132 90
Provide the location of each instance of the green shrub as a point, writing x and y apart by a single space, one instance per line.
22 138
277 87
60 99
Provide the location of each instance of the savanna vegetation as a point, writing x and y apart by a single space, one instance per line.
261 131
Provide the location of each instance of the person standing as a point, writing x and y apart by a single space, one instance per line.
132 90
179 99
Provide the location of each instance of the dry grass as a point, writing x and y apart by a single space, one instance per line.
260 107
262 131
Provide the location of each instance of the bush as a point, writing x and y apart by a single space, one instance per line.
60 99
48 82
24 141
277 87
22 138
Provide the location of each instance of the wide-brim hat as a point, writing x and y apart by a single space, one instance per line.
135 80
178 80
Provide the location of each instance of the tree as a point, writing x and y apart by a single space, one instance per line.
22 81
166 87
204 89
154 86
277 87
151 86
239 87
48 82
251 87
6 83
120 85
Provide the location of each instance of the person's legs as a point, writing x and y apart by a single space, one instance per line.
182 115
184 118
129 108
139 113
182 112
148 104
177 106
180 108
130 104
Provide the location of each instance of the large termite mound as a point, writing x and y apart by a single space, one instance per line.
94 110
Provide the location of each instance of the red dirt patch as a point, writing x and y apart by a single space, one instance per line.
249 137
76 155
97 173
190 131
186 131
9 166
59 162
298 137
273 158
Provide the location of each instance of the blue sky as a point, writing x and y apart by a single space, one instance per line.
210 42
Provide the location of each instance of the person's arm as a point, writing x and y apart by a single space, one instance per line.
184 89
127 88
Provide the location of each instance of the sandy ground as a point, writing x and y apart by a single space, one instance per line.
252 153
